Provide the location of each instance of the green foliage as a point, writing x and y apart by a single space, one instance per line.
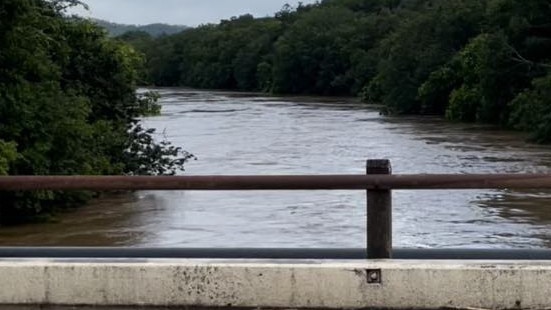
148 104
311 57
434 93
497 66
531 110
484 67
8 154
425 40
470 60
464 104
68 105
145 156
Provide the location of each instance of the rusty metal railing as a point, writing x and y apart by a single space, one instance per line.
379 182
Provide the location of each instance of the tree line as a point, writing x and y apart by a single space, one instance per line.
155 30
469 60
68 106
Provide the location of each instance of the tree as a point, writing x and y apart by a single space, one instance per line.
425 40
312 56
68 105
531 110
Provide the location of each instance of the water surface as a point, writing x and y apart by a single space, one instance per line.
251 134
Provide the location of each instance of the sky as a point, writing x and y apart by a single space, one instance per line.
179 12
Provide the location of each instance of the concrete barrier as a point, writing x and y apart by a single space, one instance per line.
278 284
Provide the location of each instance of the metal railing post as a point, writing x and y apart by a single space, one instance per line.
379 214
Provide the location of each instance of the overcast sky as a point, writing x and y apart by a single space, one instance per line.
180 12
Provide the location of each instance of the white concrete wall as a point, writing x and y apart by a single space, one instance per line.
287 284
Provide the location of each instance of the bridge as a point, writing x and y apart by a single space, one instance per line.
377 276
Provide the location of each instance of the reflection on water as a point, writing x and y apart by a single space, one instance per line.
113 220
233 133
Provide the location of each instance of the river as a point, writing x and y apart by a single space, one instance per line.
233 133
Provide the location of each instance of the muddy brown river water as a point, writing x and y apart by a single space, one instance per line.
252 134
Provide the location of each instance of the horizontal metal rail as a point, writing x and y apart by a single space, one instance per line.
266 253
279 182
378 182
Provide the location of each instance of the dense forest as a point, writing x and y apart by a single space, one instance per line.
68 106
154 30
470 60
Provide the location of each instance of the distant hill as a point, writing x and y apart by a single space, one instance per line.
154 30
